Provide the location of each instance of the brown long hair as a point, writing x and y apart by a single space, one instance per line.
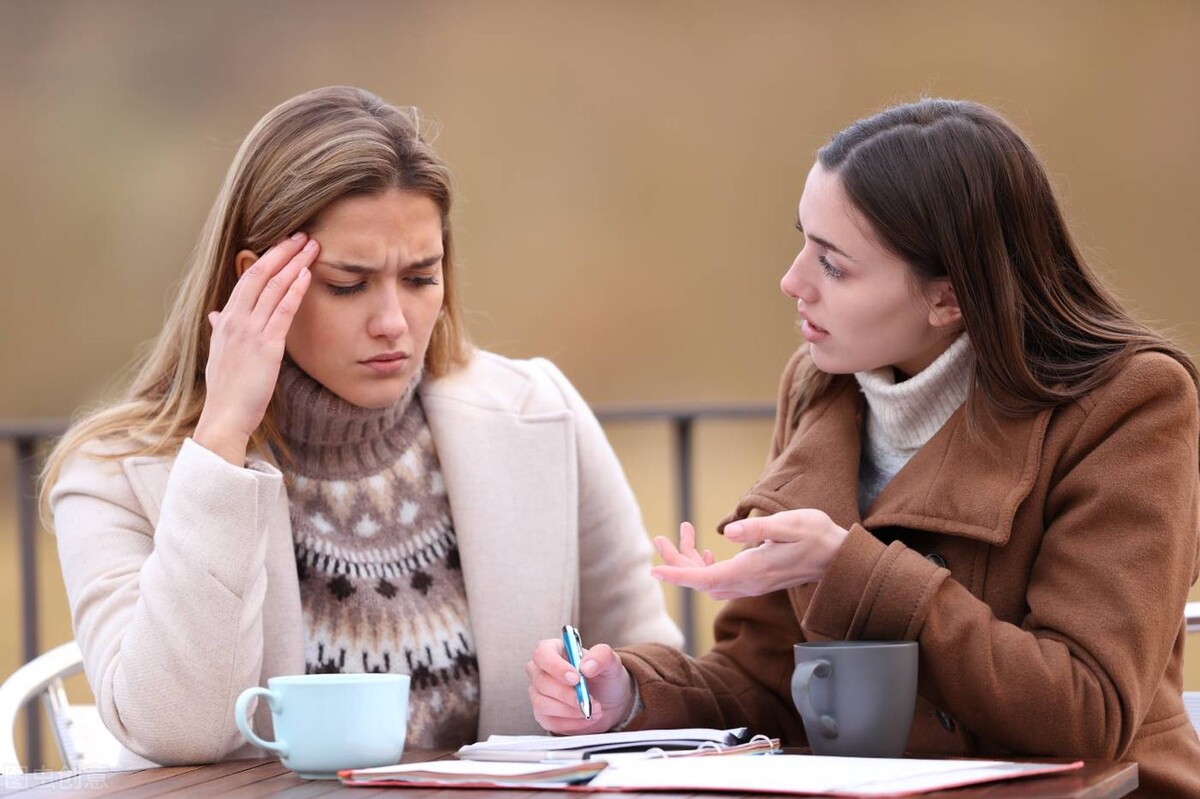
302 156
954 190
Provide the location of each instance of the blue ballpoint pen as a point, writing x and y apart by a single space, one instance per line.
574 649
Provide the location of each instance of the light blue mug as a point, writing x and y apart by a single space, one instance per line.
328 722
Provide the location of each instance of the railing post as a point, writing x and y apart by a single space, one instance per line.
682 421
27 523
683 483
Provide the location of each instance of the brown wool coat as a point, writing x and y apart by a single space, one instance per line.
1042 564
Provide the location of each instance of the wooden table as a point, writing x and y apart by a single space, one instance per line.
244 779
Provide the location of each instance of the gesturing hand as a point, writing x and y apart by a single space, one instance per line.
247 346
784 549
552 688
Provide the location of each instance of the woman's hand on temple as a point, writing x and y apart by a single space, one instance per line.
247 346
784 549
552 683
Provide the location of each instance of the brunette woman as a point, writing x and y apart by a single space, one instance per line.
976 449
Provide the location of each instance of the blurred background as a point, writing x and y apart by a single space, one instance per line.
627 175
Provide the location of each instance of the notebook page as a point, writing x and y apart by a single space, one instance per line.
833 776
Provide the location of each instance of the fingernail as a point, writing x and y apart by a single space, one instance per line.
312 245
733 529
298 235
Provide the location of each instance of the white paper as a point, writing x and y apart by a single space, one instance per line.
835 776
459 771
455 767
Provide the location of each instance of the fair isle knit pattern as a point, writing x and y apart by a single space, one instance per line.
902 417
381 585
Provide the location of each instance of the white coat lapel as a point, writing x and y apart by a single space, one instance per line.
511 475
147 478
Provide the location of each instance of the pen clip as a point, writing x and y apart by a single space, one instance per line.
574 644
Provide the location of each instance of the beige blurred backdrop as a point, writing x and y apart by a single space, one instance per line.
627 175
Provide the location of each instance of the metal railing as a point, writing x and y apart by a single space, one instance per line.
27 435
682 421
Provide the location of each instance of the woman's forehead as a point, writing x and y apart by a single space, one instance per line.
826 212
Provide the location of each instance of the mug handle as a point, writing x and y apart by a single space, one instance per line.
243 722
801 681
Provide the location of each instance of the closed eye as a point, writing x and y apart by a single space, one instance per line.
341 291
830 270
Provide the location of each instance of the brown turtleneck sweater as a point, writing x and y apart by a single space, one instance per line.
380 582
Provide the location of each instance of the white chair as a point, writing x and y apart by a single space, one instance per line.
83 741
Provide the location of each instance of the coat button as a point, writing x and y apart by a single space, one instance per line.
946 722
936 560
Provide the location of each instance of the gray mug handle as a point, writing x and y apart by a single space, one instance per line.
243 723
801 681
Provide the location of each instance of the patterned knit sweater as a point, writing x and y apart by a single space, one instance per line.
380 581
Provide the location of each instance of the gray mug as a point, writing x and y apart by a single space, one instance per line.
856 698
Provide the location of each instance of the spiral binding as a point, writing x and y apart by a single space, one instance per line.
759 744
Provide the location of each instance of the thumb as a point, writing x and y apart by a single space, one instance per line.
601 661
753 530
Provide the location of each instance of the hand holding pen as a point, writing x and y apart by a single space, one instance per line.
561 691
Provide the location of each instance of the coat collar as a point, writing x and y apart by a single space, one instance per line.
968 480
508 461
510 467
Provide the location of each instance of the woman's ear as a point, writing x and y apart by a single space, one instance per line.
943 305
243 261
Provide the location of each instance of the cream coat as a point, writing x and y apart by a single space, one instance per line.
182 580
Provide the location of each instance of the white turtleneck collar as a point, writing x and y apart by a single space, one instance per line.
902 417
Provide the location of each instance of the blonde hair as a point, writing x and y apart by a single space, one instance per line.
302 156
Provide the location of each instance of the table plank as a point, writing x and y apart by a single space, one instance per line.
15 783
185 779
219 783
257 779
90 783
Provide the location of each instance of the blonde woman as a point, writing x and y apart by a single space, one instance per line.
314 471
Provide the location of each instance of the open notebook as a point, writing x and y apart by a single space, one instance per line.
581 747
777 774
